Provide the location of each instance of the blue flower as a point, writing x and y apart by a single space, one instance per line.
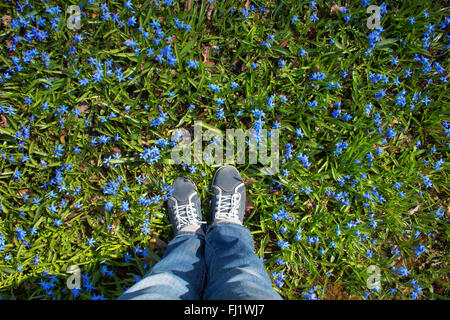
91 242
278 278
220 114
125 206
419 250
283 244
193 64
151 155
311 294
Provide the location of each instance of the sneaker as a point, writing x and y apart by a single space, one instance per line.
184 207
228 204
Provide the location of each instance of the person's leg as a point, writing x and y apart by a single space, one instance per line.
235 272
180 274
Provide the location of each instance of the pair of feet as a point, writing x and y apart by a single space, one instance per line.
228 203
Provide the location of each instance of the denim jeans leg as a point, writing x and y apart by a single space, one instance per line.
179 275
235 272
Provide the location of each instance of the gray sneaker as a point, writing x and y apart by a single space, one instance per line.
184 207
228 204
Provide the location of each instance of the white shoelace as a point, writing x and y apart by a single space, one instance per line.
186 214
228 206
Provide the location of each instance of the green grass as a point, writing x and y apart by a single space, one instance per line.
344 191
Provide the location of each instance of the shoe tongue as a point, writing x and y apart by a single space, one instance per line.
230 185
182 190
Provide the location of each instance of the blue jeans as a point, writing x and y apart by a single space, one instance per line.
220 265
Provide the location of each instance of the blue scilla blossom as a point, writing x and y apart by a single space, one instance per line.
151 155
90 242
57 222
402 271
380 94
20 233
426 180
245 12
278 278
439 213
58 150
390 133
289 150
299 132
368 109
125 206
111 187
181 25
220 101
318 76
98 75
375 36
333 85
347 18
306 190
193 64
258 113
271 102
280 215
438 164
233 85
369 254
304 159
283 244
312 240
311 294
400 99
302 52
314 18
2 242
220 113
312 104
298 235
266 44
340 146
214 87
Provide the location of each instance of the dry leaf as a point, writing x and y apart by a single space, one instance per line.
157 244
6 20
249 181
211 8
284 44
23 191
205 54
249 205
412 211
335 8
187 5
116 150
82 107
3 121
